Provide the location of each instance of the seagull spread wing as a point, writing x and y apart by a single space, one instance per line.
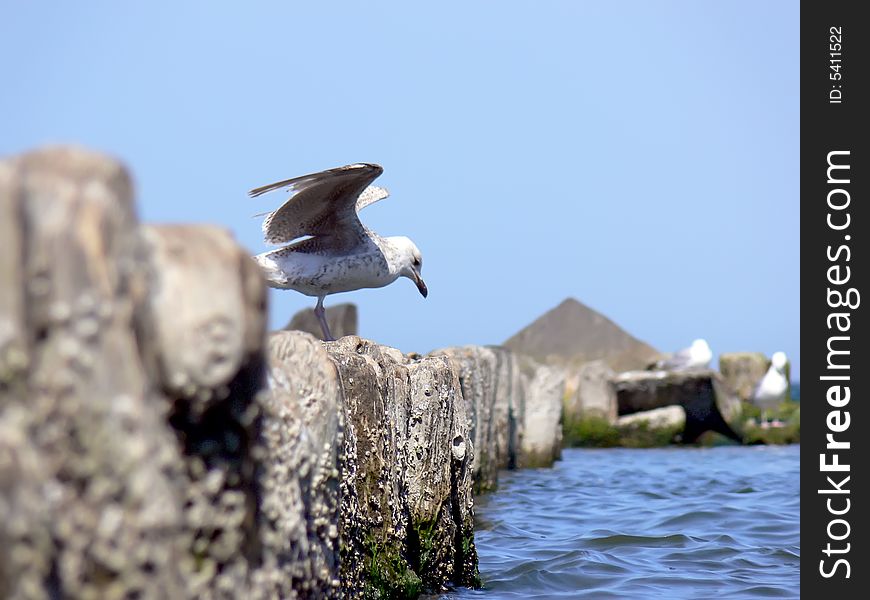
322 204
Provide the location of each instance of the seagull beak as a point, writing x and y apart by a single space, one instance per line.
421 285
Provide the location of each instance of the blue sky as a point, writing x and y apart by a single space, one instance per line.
640 156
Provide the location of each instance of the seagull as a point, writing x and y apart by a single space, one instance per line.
330 250
771 390
696 356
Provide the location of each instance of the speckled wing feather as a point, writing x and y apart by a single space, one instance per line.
371 195
321 204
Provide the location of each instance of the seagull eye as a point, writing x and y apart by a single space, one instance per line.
416 262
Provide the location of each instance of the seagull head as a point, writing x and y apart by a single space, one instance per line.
778 361
409 262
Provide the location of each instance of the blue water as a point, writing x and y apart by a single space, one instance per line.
662 523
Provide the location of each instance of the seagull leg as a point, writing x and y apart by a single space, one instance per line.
320 313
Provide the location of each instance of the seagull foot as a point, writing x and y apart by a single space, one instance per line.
320 313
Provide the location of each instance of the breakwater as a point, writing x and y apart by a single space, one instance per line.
156 441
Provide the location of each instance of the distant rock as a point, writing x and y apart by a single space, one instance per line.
652 428
541 443
589 393
574 333
666 417
742 371
708 404
341 318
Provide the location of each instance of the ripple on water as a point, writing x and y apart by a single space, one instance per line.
622 523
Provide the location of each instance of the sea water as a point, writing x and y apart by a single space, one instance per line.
677 522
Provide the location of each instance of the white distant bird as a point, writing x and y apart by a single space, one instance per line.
696 356
771 390
339 253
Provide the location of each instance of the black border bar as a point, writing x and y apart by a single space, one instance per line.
835 225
